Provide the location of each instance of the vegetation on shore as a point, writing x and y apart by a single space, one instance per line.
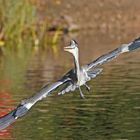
20 28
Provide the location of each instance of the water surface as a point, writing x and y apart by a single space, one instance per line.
111 109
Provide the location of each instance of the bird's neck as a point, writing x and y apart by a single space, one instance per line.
77 66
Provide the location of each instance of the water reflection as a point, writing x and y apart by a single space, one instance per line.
5 106
110 110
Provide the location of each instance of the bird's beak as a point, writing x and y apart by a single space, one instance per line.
68 48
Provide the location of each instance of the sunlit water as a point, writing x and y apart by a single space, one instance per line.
111 109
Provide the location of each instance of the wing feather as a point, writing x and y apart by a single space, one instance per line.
26 104
113 54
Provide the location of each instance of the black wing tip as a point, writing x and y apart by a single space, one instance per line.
134 44
11 117
20 111
137 39
7 120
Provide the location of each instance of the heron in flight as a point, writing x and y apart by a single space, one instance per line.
75 78
82 74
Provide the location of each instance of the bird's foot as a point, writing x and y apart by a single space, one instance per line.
87 87
81 93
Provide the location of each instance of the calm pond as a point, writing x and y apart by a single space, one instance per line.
111 109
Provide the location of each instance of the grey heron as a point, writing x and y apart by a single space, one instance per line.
82 74
75 78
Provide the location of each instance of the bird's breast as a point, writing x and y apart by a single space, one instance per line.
82 77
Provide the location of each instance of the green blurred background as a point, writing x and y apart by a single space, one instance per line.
32 36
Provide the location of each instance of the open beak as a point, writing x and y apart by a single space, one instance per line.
68 48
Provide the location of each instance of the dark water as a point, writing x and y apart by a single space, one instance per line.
110 111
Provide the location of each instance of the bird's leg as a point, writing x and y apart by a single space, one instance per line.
81 94
87 87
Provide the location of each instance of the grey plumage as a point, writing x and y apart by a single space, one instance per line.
73 79
6 120
90 71
113 54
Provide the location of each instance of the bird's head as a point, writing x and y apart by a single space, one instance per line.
72 48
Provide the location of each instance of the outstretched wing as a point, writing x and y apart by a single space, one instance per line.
44 92
109 56
6 120
26 104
